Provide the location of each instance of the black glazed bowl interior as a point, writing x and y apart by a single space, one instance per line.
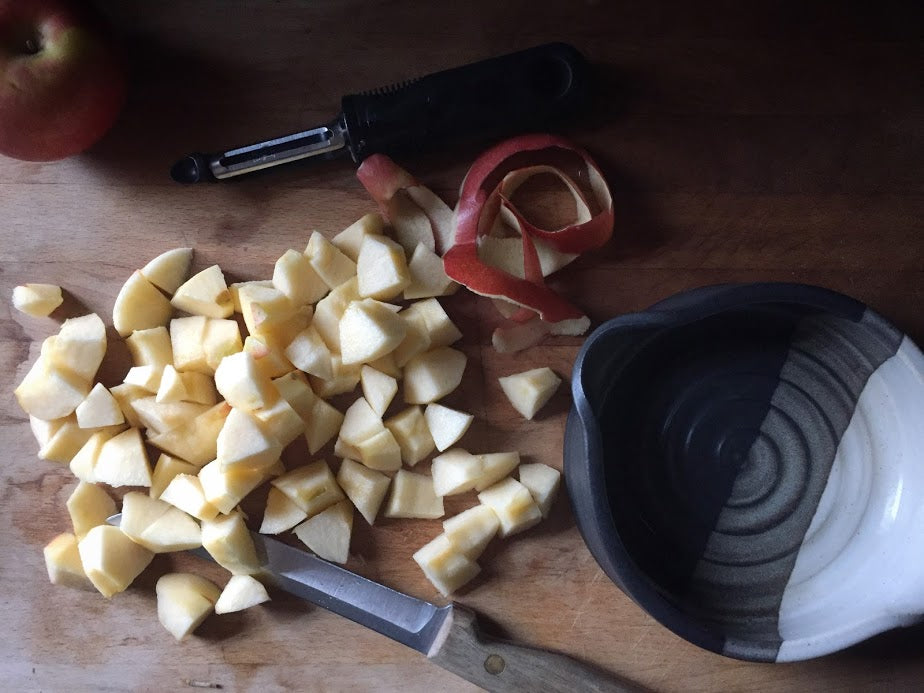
698 449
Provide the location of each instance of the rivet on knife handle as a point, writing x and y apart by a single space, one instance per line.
512 93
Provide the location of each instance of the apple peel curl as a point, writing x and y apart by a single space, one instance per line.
474 240
488 265
415 212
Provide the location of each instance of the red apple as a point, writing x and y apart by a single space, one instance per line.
62 84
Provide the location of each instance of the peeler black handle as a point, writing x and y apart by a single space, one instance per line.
527 90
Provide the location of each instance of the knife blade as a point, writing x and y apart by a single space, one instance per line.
529 89
448 635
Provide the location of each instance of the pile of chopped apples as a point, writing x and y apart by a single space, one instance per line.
358 311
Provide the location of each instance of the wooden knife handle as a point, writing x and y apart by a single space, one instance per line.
497 665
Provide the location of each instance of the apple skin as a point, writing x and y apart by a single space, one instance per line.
62 82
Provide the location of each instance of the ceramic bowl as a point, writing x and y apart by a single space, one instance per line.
747 463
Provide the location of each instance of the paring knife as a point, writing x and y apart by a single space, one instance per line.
516 92
448 635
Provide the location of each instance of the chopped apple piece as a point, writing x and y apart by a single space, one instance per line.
433 375
513 504
171 387
324 422
360 422
386 364
331 265
412 495
172 531
89 506
428 278
365 487
189 387
245 294
378 389
410 430
226 488
444 566
62 560
344 450
150 347
244 444
229 543
280 421
43 430
368 331
196 441
281 513
200 388
99 409
79 346
48 392
146 377
185 492
455 471
250 291
267 311
446 425
270 360
169 270
312 488
543 482
495 466
221 337
351 238
241 592
139 306
329 310
205 293
470 531
37 300
381 268
69 439
123 461
165 416
344 378
441 329
294 389
380 451
530 390
187 340
126 394
294 276
241 383
84 460
309 352
328 532
165 469
157 525
416 340
111 560
184 601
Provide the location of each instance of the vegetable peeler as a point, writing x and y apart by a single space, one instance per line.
529 89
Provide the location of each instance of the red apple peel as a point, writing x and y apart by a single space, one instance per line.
416 213
486 196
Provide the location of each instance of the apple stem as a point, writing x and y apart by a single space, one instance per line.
31 46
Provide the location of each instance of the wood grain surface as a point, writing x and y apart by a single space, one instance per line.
742 141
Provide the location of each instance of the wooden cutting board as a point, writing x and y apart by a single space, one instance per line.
741 143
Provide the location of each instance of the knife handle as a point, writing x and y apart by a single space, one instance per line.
496 665
512 93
